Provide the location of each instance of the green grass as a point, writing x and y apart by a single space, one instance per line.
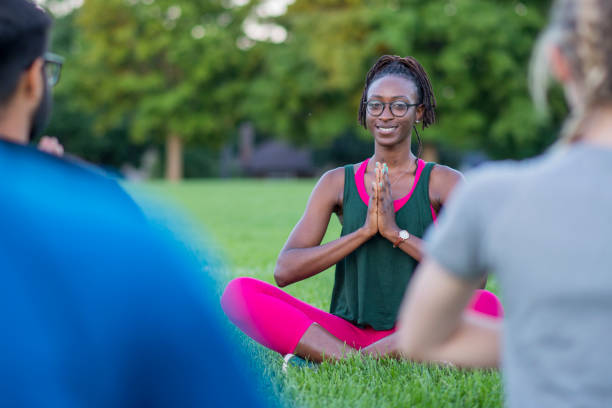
247 223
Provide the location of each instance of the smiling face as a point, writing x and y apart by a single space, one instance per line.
387 129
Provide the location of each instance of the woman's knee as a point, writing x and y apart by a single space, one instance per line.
487 303
234 293
238 296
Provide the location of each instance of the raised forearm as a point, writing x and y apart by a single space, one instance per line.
296 264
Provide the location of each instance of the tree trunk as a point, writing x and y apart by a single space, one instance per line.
174 157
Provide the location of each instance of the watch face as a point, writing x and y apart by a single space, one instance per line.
404 234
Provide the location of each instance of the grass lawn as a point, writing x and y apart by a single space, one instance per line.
247 223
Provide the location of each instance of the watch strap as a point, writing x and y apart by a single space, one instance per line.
400 239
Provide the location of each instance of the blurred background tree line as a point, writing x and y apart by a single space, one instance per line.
184 76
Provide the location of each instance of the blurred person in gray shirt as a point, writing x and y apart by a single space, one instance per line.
543 227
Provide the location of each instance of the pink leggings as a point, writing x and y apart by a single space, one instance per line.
277 320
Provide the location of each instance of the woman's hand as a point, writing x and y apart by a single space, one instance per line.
386 212
371 223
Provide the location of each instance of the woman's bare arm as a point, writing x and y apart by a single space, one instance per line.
303 256
442 182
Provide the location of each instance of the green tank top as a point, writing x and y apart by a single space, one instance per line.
371 281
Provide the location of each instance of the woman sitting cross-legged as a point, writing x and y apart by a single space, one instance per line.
385 204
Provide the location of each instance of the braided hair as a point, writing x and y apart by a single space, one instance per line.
409 68
582 30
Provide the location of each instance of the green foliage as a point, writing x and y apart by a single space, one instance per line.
250 233
475 51
483 68
200 161
139 70
70 121
165 66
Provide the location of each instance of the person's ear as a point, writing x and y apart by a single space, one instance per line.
420 111
560 66
561 69
33 83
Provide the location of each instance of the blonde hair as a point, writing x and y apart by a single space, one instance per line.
582 29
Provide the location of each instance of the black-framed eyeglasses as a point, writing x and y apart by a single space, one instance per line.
397 108
53 68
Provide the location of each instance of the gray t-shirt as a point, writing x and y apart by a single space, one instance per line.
544 228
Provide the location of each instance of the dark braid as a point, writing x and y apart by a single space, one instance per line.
408 68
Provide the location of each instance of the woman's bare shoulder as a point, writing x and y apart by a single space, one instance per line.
442 181
331 184
333 177
445 175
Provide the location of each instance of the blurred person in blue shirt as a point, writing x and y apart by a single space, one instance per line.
98 306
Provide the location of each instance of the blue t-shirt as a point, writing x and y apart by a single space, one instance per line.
97 307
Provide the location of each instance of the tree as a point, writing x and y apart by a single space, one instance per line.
168 68
70 121
476 52
183 71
